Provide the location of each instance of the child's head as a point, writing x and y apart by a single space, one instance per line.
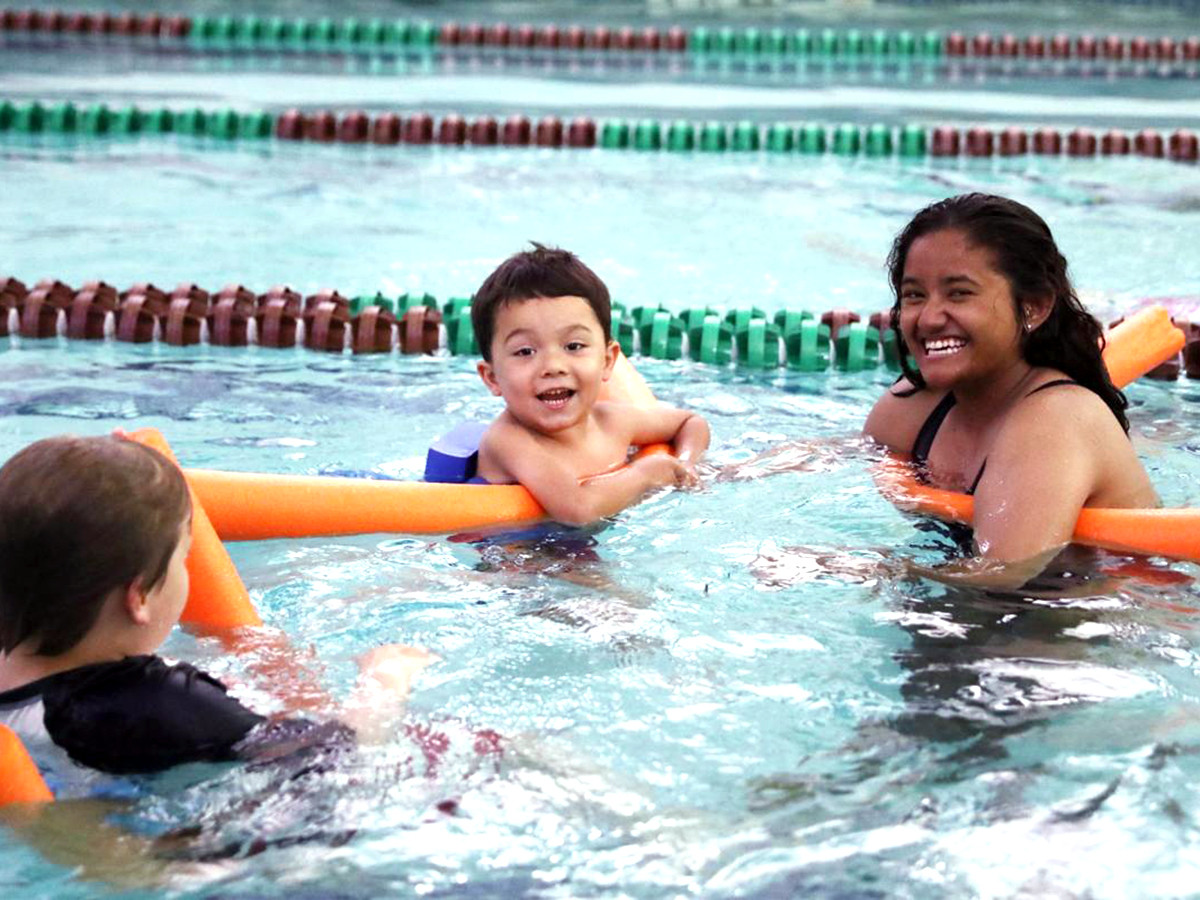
543 324
542 272
80 517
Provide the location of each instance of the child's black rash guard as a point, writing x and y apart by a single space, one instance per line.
141 715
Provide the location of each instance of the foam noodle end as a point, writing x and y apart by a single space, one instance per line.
1143 341
217 598
21 781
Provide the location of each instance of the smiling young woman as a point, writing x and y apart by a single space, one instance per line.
1009 399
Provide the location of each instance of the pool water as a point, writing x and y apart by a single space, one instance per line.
733 699
808 233
732 692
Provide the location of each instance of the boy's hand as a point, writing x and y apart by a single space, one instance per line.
687 433
385 676
687 477
394 666
663 469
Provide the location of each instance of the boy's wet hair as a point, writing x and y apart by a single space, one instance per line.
540 272
80 516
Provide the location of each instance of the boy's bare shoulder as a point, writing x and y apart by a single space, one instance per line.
503 442
611 416
620 410
504 432
507 439
605 409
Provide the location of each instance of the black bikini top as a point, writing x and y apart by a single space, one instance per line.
929 429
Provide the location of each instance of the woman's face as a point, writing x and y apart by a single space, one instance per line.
957 313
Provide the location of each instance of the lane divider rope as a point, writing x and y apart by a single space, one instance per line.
749 338
1137 54
908 141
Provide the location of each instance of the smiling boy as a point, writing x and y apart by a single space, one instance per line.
543 322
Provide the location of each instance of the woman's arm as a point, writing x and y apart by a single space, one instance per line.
1055 453
1041 470
896 418
893 423
816 455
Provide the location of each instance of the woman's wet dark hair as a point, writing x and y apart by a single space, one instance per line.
1024 252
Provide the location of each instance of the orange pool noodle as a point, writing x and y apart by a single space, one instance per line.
21 781
217 598
1133 348
253 506
1143 341
250 506
258 507
1158 532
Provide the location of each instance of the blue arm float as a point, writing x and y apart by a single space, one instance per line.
454 457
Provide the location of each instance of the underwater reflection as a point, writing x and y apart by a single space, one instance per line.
979 668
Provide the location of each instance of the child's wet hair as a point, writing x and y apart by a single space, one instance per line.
540 272
79 517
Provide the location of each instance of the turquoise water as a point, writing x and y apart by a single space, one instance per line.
805 232
732 694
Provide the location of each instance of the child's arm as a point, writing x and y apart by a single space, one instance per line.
686 431
555 485
385 676
812 455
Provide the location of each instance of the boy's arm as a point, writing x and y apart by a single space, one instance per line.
385 676
686 431
560 492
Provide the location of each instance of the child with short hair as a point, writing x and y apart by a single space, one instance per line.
543 323
94 535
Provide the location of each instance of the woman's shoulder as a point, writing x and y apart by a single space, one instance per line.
1058 409
1053 398
897 417
1066 426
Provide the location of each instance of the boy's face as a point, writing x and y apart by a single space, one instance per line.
167 599
549 358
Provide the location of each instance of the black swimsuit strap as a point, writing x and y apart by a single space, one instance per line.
929 429
978 477
1049 384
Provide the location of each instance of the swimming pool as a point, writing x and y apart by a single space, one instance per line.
702 711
